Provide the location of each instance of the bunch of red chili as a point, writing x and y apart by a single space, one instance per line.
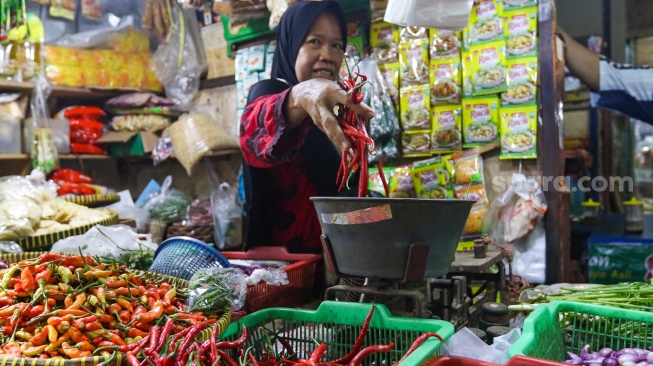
355 357
354 128
63 307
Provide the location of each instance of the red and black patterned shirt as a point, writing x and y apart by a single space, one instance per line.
265 143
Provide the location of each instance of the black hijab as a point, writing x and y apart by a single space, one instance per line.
321 158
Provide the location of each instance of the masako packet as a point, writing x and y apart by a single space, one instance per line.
480 121
519 133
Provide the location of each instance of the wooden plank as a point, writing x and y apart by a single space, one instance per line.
62 91
550 153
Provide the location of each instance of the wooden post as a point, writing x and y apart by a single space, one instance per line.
550 150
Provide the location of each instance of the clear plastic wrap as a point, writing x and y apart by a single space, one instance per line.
163 149
213 289
21 200
384 127
440 14
44 151
144 122
277 8
227 213
106 241
194 135
179 62
10 247
167 205
271 276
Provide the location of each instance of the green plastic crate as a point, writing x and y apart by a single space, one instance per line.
560 326
338 324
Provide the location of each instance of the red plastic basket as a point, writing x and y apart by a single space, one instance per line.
301 278
464 361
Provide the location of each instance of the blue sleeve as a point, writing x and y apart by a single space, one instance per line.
627 90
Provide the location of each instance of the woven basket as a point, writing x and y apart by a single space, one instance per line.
120 359
203 232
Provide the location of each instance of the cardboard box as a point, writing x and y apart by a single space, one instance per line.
129 143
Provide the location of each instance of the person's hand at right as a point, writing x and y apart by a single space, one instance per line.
317 99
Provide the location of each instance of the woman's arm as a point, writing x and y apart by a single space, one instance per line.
582 62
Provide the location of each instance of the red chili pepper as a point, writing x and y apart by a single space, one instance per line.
134 345
359 340
226 358
77 189
233 344
82 148
418 342
358 359
83 112
133 361
383 179
70 175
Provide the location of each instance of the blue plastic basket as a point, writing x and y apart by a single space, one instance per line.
182 256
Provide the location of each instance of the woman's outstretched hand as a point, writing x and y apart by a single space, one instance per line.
317 99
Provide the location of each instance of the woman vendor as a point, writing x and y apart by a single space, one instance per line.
289 135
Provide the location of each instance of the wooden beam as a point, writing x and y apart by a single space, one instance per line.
550 151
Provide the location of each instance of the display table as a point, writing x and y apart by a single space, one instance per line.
615 256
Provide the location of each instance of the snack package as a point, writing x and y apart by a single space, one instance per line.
416 143
415 103
445 126
480 120
414 56
467 73
383 33
401 183
485 22
445 80
488 68
390 72
444 43
474 223
519 132
520 30
355 40
475 192
375 183
468 168
522 78
92 9
63 9
429 180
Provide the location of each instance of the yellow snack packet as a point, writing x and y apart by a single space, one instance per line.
522 78
446 124
485 22
520 29
427 179
480 120
416 143
414 103
445 77
488 68
401 183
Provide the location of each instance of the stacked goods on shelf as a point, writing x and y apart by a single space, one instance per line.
85 129
252 65
122 63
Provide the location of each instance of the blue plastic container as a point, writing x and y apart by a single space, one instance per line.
182 256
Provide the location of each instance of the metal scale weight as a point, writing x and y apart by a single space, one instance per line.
396 251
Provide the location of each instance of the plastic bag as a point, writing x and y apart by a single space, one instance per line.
440 14
167 205
127 209
227 213
213 289
163 148
106 241
100 37
195 134
517 211
384 127
464 343
44 151
277 8
179 62
271 276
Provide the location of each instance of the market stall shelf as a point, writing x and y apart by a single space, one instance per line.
45 241
338 324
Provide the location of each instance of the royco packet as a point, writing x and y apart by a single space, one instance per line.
416 143
429 178
519 133
444 43
401 183
445 80
446 122
480 120
414 57
414 103
520 29
488 68
485 22
522 78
